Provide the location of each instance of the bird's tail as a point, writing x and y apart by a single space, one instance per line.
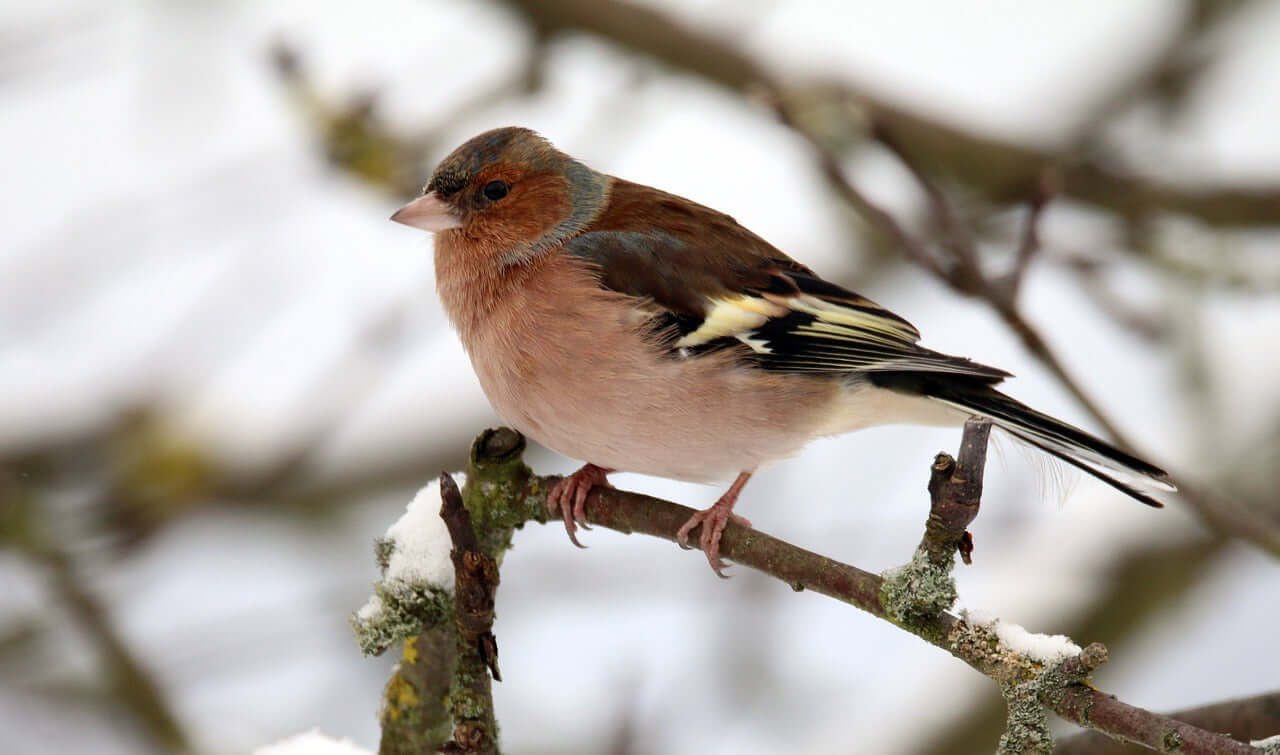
1119 469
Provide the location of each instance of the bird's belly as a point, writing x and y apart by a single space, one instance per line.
703 419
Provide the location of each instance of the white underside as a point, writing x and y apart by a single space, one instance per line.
865 405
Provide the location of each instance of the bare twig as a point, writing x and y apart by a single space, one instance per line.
955 491
476 581
1150 326
1245 719
883 221
1039 348
1046 187
966 275
956 238
923 588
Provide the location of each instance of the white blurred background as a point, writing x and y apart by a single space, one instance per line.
223 372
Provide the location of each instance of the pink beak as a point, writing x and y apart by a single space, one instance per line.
428 212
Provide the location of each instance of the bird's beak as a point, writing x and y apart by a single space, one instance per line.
428 212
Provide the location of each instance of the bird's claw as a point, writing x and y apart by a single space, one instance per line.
568 499
713 520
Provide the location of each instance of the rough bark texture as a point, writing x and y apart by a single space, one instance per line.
955 493
414 716
476 582
1245 719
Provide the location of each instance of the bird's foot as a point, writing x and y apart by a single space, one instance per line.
568 499
713 521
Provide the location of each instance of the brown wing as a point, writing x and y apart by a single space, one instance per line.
715 283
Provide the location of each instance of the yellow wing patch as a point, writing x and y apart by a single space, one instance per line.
835 314
736 317
740 316
820 328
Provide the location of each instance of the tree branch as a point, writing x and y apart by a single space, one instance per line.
955 491
882 220
1245 719
126 682
502 494
1045 189
476 581
1137 587
414 717
802 569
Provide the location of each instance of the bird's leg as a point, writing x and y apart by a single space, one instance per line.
568 498
713 521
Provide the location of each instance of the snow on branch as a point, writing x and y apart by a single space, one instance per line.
416 588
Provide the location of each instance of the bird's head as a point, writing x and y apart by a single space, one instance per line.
510 191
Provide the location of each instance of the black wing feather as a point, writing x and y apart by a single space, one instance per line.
768 306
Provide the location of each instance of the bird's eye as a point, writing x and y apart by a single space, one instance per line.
495 190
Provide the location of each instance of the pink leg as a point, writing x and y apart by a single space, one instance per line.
713 521
569 497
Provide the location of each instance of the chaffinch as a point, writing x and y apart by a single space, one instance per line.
640 331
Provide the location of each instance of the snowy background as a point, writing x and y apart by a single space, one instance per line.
191 293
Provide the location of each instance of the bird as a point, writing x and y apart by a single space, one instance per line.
639 331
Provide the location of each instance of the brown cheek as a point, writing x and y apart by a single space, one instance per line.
534 207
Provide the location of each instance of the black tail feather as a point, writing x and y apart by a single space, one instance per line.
1070 444
1123 487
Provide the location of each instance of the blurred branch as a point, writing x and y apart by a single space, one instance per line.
961 270
128 680
1151 326
1172 72
158 470
147 473
512 496
998 170
128 683
1030 244
355 138
645 31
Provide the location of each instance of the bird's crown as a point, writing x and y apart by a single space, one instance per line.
511 144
